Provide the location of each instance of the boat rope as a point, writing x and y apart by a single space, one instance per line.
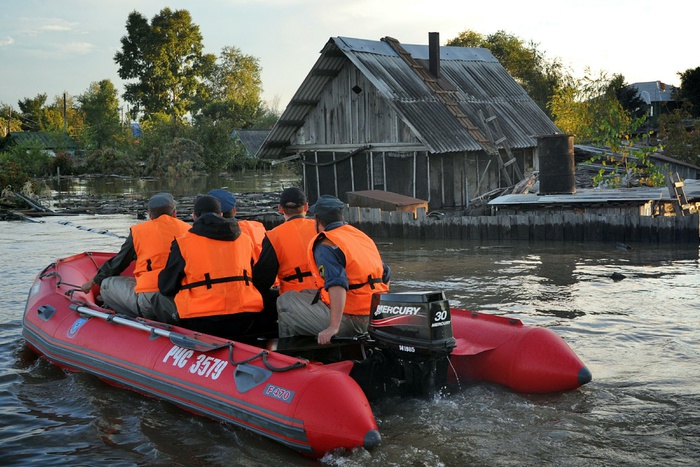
92 258
55 273
59 281
90 229
263 354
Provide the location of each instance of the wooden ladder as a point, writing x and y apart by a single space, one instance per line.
677 192
502 141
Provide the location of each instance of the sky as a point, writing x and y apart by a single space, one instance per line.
52 47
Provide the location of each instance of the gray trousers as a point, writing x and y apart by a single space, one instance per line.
118 294
297 316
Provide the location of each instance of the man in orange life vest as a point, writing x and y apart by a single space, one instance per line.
148 244
209 274
349 269
255 229
284 255
284 261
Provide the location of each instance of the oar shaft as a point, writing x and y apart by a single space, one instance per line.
176 338
121 320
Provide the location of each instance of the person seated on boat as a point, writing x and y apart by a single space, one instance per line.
284 259
148 244
284 256
348 269
255 229
207 284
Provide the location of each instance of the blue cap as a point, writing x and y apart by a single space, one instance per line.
327 206
161 200
225 197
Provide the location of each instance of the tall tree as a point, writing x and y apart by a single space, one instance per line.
167 61
628 96
690 89
33 113
589 109
235 88
63 114
100 107
539 76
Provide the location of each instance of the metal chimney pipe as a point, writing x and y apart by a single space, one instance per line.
434 53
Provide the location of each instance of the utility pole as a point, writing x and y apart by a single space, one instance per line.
65 118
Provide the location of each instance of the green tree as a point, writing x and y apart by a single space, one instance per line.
63 115
589 109
690 89
235 88
680 136
100 107
218 153
539 76
33 113
269 115
167 61
628 96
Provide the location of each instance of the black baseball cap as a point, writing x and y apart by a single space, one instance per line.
292 198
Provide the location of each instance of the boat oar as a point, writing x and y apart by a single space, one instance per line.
176 338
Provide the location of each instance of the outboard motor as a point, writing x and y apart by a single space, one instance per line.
413 331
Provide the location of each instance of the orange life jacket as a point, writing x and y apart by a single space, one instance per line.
217 277
363 266
256 231
152 241
291 243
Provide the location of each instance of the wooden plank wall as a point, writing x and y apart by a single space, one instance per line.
533 226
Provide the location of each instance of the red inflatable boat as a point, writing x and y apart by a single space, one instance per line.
416 345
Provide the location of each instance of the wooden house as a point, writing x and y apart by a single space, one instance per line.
441 124
661 98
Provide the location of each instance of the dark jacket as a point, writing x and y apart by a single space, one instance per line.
208 225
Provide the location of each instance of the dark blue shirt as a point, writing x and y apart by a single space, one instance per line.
331 260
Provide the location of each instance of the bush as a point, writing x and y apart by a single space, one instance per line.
30 157
12 177
63 162
180 158
111 162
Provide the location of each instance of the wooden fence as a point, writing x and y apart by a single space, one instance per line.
530 226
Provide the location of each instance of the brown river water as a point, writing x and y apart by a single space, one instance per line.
639 337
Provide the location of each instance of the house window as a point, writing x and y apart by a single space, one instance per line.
378 171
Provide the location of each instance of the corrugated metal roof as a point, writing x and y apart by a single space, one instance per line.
45 140
251 139
595 195
657 91
480 81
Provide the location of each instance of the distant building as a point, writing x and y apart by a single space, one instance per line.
51 143
441 124
250 139
660 97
